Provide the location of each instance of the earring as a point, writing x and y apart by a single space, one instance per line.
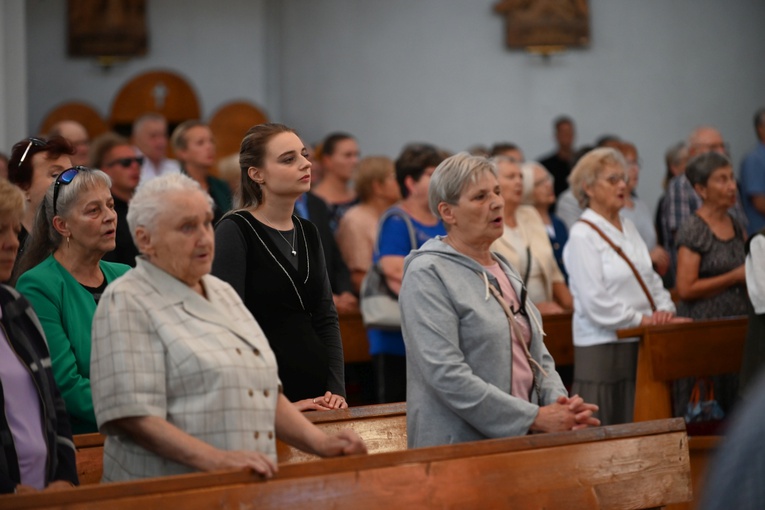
67 241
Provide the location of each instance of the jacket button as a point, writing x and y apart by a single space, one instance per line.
266 393
250 392
270 435
257 434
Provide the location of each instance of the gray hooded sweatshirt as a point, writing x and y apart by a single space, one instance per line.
459 351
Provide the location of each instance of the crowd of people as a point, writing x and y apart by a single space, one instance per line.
193 324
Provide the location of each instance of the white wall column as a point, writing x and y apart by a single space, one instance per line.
13 73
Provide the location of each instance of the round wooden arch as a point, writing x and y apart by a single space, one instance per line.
231 121
75 110
164 92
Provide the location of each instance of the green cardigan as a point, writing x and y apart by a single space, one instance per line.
66 309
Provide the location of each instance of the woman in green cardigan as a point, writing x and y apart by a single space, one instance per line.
64 277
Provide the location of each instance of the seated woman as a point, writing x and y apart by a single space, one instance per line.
539 191
524 243
37 452
476 364
711 276
194 146
275 262
63 278
608 293
183 377
356 234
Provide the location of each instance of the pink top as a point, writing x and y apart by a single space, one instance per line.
22 410
522 377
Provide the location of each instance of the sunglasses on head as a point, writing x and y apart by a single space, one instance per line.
126 162
37 142
63 178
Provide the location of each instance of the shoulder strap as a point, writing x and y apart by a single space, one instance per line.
395 211
626 259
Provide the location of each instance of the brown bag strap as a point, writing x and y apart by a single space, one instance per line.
626 259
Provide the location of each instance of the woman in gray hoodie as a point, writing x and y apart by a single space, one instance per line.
477 367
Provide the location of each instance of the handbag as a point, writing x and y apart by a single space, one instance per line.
702 405
378 304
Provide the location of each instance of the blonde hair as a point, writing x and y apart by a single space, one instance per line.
372 169
588 169
12 201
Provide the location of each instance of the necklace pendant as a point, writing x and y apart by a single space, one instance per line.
294 253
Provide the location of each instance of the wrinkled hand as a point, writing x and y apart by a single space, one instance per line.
583 411
59 485
241 459
346 302
326 402
661 317
345 442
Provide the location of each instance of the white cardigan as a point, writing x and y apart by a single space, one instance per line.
607 296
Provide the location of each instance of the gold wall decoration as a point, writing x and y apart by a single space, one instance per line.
107 28
545 26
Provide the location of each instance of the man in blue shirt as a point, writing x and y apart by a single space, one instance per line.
752 179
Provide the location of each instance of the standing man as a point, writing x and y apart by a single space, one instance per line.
76 134
752 178
120 161
559 163
151 138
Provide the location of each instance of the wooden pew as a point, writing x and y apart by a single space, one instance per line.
354 335
559 338
674 351
638 465
383 428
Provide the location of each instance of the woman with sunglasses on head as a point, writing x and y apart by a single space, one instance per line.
119 159
608 293
34 165
63 277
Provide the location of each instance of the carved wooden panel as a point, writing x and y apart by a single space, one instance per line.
107 27
545 23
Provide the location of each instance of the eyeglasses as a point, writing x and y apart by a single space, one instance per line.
37 142
615 179
126 162
63 178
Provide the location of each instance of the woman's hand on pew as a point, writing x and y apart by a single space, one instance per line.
345 442
326 402
241 459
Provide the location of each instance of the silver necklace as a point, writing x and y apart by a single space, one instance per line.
294 235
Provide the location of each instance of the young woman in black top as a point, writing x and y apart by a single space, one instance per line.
275 262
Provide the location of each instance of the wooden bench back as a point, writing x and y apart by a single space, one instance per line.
674 351
383 428
639 465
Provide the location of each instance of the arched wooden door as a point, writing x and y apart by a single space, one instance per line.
164 92
75 110
230 122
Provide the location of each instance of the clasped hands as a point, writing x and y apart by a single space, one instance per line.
567 413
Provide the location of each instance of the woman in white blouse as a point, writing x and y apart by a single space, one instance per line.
607 293
525 244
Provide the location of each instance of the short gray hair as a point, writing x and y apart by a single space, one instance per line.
702 166
149 200
452 175
589 168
